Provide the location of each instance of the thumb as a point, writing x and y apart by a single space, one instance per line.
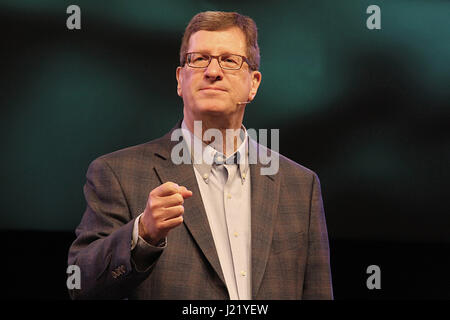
185 192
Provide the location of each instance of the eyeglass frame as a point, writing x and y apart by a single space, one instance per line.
244 59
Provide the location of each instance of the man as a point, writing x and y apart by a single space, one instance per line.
215 228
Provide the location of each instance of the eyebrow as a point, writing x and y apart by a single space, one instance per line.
209 53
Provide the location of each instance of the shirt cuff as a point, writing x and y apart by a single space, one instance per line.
143 254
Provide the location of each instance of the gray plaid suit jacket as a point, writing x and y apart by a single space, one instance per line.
290 254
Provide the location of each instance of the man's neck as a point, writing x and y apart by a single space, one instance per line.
228 141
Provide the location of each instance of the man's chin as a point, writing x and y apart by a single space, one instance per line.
216 109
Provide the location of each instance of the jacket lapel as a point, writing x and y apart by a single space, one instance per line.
194 216
265 194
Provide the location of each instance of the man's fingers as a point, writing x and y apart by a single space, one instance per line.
185 192
172 223
172 200
166 189
164 210
170 188
173 212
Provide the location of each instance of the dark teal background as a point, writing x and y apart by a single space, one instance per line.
368 110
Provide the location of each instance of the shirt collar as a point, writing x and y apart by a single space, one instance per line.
204 157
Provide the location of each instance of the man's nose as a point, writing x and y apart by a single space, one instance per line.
214 71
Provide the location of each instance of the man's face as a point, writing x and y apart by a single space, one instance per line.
213 90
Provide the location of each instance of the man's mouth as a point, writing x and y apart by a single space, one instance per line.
212 89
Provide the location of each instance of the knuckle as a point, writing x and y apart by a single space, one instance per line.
159 225
176 221
170 186
179 198
152 206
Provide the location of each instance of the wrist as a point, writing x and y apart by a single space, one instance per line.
144 234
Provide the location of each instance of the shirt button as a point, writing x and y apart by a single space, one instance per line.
236 234
243 273
205 176
229 196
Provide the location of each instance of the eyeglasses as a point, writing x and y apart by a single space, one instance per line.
226 61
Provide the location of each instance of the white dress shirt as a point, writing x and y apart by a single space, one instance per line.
225 190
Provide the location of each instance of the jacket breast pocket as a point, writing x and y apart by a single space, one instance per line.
288 241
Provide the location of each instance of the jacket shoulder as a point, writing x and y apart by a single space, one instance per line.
138 154
294 168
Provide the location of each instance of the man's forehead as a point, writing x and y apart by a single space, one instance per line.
230 40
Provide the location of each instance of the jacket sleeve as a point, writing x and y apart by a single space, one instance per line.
317 284
102 249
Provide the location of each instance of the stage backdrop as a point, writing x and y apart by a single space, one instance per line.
367 110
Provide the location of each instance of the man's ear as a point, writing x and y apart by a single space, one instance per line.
179 81
256 81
